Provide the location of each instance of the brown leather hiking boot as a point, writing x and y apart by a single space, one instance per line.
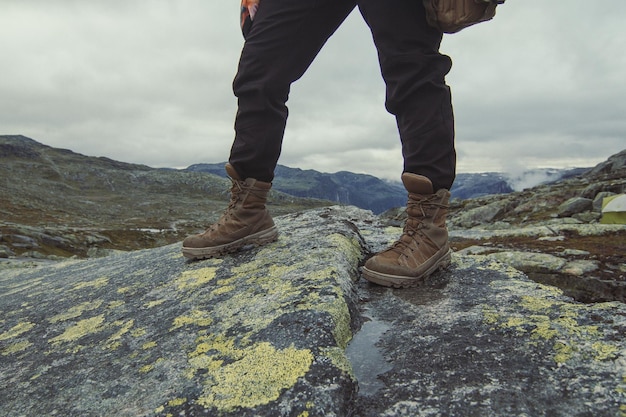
423 247
246 221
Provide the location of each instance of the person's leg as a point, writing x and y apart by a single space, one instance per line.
414 71
283 40
285 37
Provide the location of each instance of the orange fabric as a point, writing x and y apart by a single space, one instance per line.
248 10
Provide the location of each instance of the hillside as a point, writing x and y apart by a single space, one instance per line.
58 202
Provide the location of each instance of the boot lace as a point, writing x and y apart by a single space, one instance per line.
415 223
235 196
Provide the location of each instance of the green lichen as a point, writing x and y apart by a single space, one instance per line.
210 353
150 367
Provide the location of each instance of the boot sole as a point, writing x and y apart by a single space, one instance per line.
400 281
256 239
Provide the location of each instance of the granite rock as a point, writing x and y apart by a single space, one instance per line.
267 332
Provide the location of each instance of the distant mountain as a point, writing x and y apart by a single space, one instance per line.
371 193
477 185
361 190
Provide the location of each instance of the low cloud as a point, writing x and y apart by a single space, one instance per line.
151 82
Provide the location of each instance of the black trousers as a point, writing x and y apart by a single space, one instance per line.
285 37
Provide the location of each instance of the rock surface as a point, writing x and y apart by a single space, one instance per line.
265 332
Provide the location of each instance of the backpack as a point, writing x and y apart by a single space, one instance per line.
450 16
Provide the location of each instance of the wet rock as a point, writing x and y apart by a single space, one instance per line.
470 340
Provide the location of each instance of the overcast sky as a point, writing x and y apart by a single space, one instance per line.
149 81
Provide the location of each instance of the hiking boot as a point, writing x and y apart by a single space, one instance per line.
246 221
423 247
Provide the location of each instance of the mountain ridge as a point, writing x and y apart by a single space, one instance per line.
58 203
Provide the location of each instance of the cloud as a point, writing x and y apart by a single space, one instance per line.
151 82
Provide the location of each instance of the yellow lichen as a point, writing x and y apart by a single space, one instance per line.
543 329
150 367
149 345
146 368
604 351
349 247
80 329
195 279
16 347
17 330
489 315
219 346
516 323
338 358
124 290
564 352
115 304
257 378
195 317
76 311
113 341
551 319
223 290
176 402
138 332
97 283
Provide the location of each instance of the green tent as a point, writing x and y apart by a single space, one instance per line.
614 209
